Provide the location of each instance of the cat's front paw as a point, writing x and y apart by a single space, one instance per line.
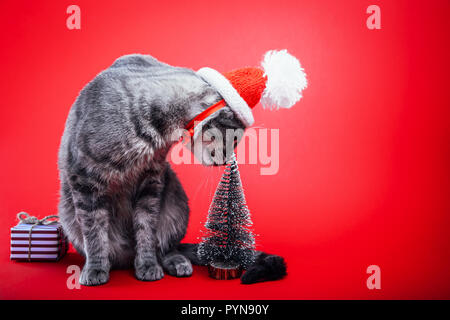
93 276
149 272
178 266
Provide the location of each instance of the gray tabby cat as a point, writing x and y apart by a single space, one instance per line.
121 203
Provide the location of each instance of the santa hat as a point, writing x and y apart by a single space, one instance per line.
278 84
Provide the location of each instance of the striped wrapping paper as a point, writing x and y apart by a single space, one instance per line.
45 243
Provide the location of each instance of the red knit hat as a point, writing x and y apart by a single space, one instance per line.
279 84
249 83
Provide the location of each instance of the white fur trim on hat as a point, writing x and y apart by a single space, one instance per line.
229 94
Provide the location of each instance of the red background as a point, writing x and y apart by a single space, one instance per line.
364 157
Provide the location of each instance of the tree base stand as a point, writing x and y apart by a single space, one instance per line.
224 271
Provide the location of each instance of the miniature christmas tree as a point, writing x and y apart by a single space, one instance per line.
228 244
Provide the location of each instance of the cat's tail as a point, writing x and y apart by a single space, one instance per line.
267 267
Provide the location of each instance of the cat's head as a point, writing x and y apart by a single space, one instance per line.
278 83
216 137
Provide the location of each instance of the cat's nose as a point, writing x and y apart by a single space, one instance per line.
218 164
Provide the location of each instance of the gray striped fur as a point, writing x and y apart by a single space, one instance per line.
121 204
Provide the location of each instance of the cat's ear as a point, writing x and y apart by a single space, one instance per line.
285 80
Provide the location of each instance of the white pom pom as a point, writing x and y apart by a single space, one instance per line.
285 80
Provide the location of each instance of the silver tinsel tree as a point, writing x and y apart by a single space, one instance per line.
228 238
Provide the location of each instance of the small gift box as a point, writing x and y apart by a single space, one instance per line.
37 240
